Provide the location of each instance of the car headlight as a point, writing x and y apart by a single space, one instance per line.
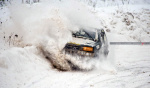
87 48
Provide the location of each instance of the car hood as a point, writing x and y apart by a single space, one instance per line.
82 41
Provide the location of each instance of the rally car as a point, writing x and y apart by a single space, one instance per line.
88 42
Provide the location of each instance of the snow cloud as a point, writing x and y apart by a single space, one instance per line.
50 20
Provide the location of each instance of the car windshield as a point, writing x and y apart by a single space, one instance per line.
84 34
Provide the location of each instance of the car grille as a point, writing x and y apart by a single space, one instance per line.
75 49
72 46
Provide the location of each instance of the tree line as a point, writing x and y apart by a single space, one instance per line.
4 2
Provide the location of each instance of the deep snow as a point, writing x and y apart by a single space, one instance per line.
48 24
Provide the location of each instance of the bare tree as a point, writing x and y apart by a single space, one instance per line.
123 2
22 1
128 1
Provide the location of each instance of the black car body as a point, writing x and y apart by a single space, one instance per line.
87 43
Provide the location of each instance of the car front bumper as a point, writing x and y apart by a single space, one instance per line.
74 49
80 53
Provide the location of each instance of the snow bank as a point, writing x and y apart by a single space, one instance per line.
126 21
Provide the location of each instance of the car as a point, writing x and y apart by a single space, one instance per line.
87 42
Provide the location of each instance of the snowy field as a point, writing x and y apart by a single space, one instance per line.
26 28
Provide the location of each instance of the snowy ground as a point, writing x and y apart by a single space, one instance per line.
28 70
22 65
